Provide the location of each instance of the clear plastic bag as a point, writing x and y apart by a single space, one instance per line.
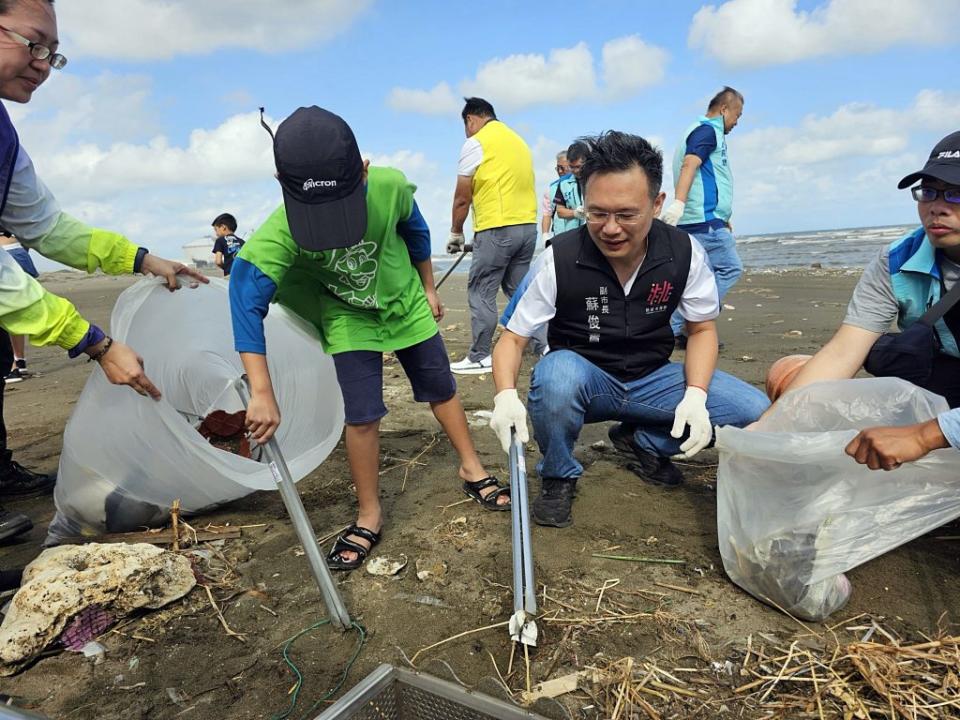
126 458
794 512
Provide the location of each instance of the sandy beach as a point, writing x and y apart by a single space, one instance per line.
179 662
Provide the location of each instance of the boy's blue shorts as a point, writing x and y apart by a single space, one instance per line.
360 374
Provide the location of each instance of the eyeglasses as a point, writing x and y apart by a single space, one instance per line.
929 194
600 218
38 51
561 168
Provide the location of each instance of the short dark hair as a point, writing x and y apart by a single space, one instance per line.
225 219
578 150
8 5
724 97
479 107
615 151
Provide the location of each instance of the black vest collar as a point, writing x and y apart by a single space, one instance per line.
659 251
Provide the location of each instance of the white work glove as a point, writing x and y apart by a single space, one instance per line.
579 213
455 243
692 411
672 213
509 412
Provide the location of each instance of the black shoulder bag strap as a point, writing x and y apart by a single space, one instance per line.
942 306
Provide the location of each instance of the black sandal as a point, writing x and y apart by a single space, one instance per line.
472 489
336 562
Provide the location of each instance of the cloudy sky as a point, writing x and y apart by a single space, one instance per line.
153 130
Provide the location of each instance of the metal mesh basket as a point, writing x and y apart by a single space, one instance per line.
390 693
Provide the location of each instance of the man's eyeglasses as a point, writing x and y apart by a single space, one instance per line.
600 218
561 168
38 51
929 194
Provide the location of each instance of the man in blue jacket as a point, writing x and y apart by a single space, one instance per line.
703 192
904 280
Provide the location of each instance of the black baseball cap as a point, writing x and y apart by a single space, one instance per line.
321 172
944 163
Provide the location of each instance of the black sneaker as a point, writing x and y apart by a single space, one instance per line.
14 376
17 481
648 467
13 524
552 507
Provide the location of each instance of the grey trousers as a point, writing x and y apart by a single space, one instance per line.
501 257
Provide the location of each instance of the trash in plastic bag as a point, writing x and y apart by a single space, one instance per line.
794 512
126 458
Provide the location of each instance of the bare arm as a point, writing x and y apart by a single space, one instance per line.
702 350
546 223
218 259
507 358
462 196
263 413
840 359
688 170
887 448
425 271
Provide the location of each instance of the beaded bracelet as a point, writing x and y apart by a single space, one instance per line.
102 351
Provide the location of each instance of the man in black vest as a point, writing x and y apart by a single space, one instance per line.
606 292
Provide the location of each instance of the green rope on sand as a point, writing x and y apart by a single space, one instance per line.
298 686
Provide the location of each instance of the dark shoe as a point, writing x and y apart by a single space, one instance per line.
13 524
648 467
17 481
472 489
14 376
552 507
335 559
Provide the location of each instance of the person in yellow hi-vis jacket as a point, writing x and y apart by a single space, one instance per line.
28 50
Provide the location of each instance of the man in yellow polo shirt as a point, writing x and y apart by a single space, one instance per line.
495 176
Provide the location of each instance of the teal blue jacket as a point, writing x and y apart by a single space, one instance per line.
916 279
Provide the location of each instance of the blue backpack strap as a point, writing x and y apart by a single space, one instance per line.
9 147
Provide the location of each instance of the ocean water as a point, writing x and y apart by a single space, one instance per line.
844 248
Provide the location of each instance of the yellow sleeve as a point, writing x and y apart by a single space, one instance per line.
26 308
80 246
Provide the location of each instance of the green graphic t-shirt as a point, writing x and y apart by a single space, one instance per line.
365 297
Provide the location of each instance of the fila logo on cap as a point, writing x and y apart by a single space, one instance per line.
947 155
312 184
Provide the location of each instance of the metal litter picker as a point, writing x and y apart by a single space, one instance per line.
523 625
461 256
336 610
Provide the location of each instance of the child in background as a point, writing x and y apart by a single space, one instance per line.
227 244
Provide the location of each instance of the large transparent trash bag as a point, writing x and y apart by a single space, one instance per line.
794 512
126 458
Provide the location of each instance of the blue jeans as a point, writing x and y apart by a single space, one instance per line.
723 259
568 391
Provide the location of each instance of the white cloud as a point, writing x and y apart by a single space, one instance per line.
150 30
520 80
843 164
564 75
630 65
439 100
236 151
754 33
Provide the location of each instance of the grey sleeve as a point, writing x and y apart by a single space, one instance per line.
873 305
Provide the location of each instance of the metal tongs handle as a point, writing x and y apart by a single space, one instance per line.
524 587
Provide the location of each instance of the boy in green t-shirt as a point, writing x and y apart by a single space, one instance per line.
349 252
